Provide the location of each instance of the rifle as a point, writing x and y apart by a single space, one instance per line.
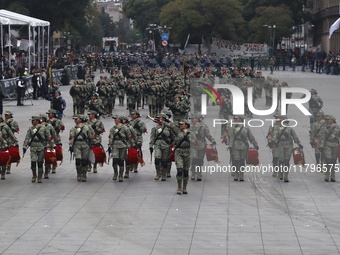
74 141
29 144
181 141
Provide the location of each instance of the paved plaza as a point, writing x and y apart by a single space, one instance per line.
140 216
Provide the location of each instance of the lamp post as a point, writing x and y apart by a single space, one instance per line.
271 30
151 28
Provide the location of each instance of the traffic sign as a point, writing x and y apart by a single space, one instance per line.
165 37
164 43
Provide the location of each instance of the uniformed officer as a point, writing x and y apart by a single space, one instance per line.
160 139
283 137
182 155
80 141
8 139
119 141
225 110
315 105
271 143
13 125
329 144
239 136
96 104
140 128
37 139
98 129
201 132
315 136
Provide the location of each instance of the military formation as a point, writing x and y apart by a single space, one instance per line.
173 98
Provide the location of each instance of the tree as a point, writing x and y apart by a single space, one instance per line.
280 16
208 18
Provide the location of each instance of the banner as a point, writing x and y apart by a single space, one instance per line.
220 46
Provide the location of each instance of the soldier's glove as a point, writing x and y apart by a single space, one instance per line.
167 120
256 147
109 150
214 142
70 149
136 126
300 145
24 150
151 150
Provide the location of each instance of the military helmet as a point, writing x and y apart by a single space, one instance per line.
8 113
329 117
35 118
186 122
320 113
43 116
93 112
51 111
135 112
313 91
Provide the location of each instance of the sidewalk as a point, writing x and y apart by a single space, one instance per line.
141 216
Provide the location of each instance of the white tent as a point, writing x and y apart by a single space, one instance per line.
36 27
4 21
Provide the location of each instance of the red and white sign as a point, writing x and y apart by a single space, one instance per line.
164 43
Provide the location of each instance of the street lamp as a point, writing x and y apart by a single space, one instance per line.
271 29
151 28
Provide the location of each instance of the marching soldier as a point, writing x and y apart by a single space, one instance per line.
271 143
8 139
315 136
225 110
77 94
140 128
37 139
98 129
283 138
315 105
133 143
178 109
55 139
58 127
119 141
201 132
239 136
80 141
182 155
96 104
13 125
160 139
329 144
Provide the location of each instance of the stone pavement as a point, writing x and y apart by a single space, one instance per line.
141 216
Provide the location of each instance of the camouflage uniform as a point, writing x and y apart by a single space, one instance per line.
239 136
96 104
315 136
283 138
140 128
119 141
133 143
37 138
80 141
315 104
201 132
225 110
8 139
76 92
329 144
160 142
13 125
271 144
179 109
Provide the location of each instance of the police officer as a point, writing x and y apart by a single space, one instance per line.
8 139
239 136
119 141
283 137
160 139
80 141
329 144
37 138
21 88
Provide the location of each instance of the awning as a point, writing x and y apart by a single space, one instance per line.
4 21
19 19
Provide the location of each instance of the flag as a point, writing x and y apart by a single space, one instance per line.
334 27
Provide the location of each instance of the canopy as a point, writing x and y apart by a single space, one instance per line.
19 19
4 21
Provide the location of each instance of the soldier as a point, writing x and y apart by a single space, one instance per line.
103 94
179 109
160 139
283 137
225 110
80 141
239 136
58 127
55 139
8 139
315 105
268 88
133 143
98 129
119 141
13 125
96 104
271 143
77 94
201 132
172 139
315 136
271 64
182 155
140 128
37 138
329 144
